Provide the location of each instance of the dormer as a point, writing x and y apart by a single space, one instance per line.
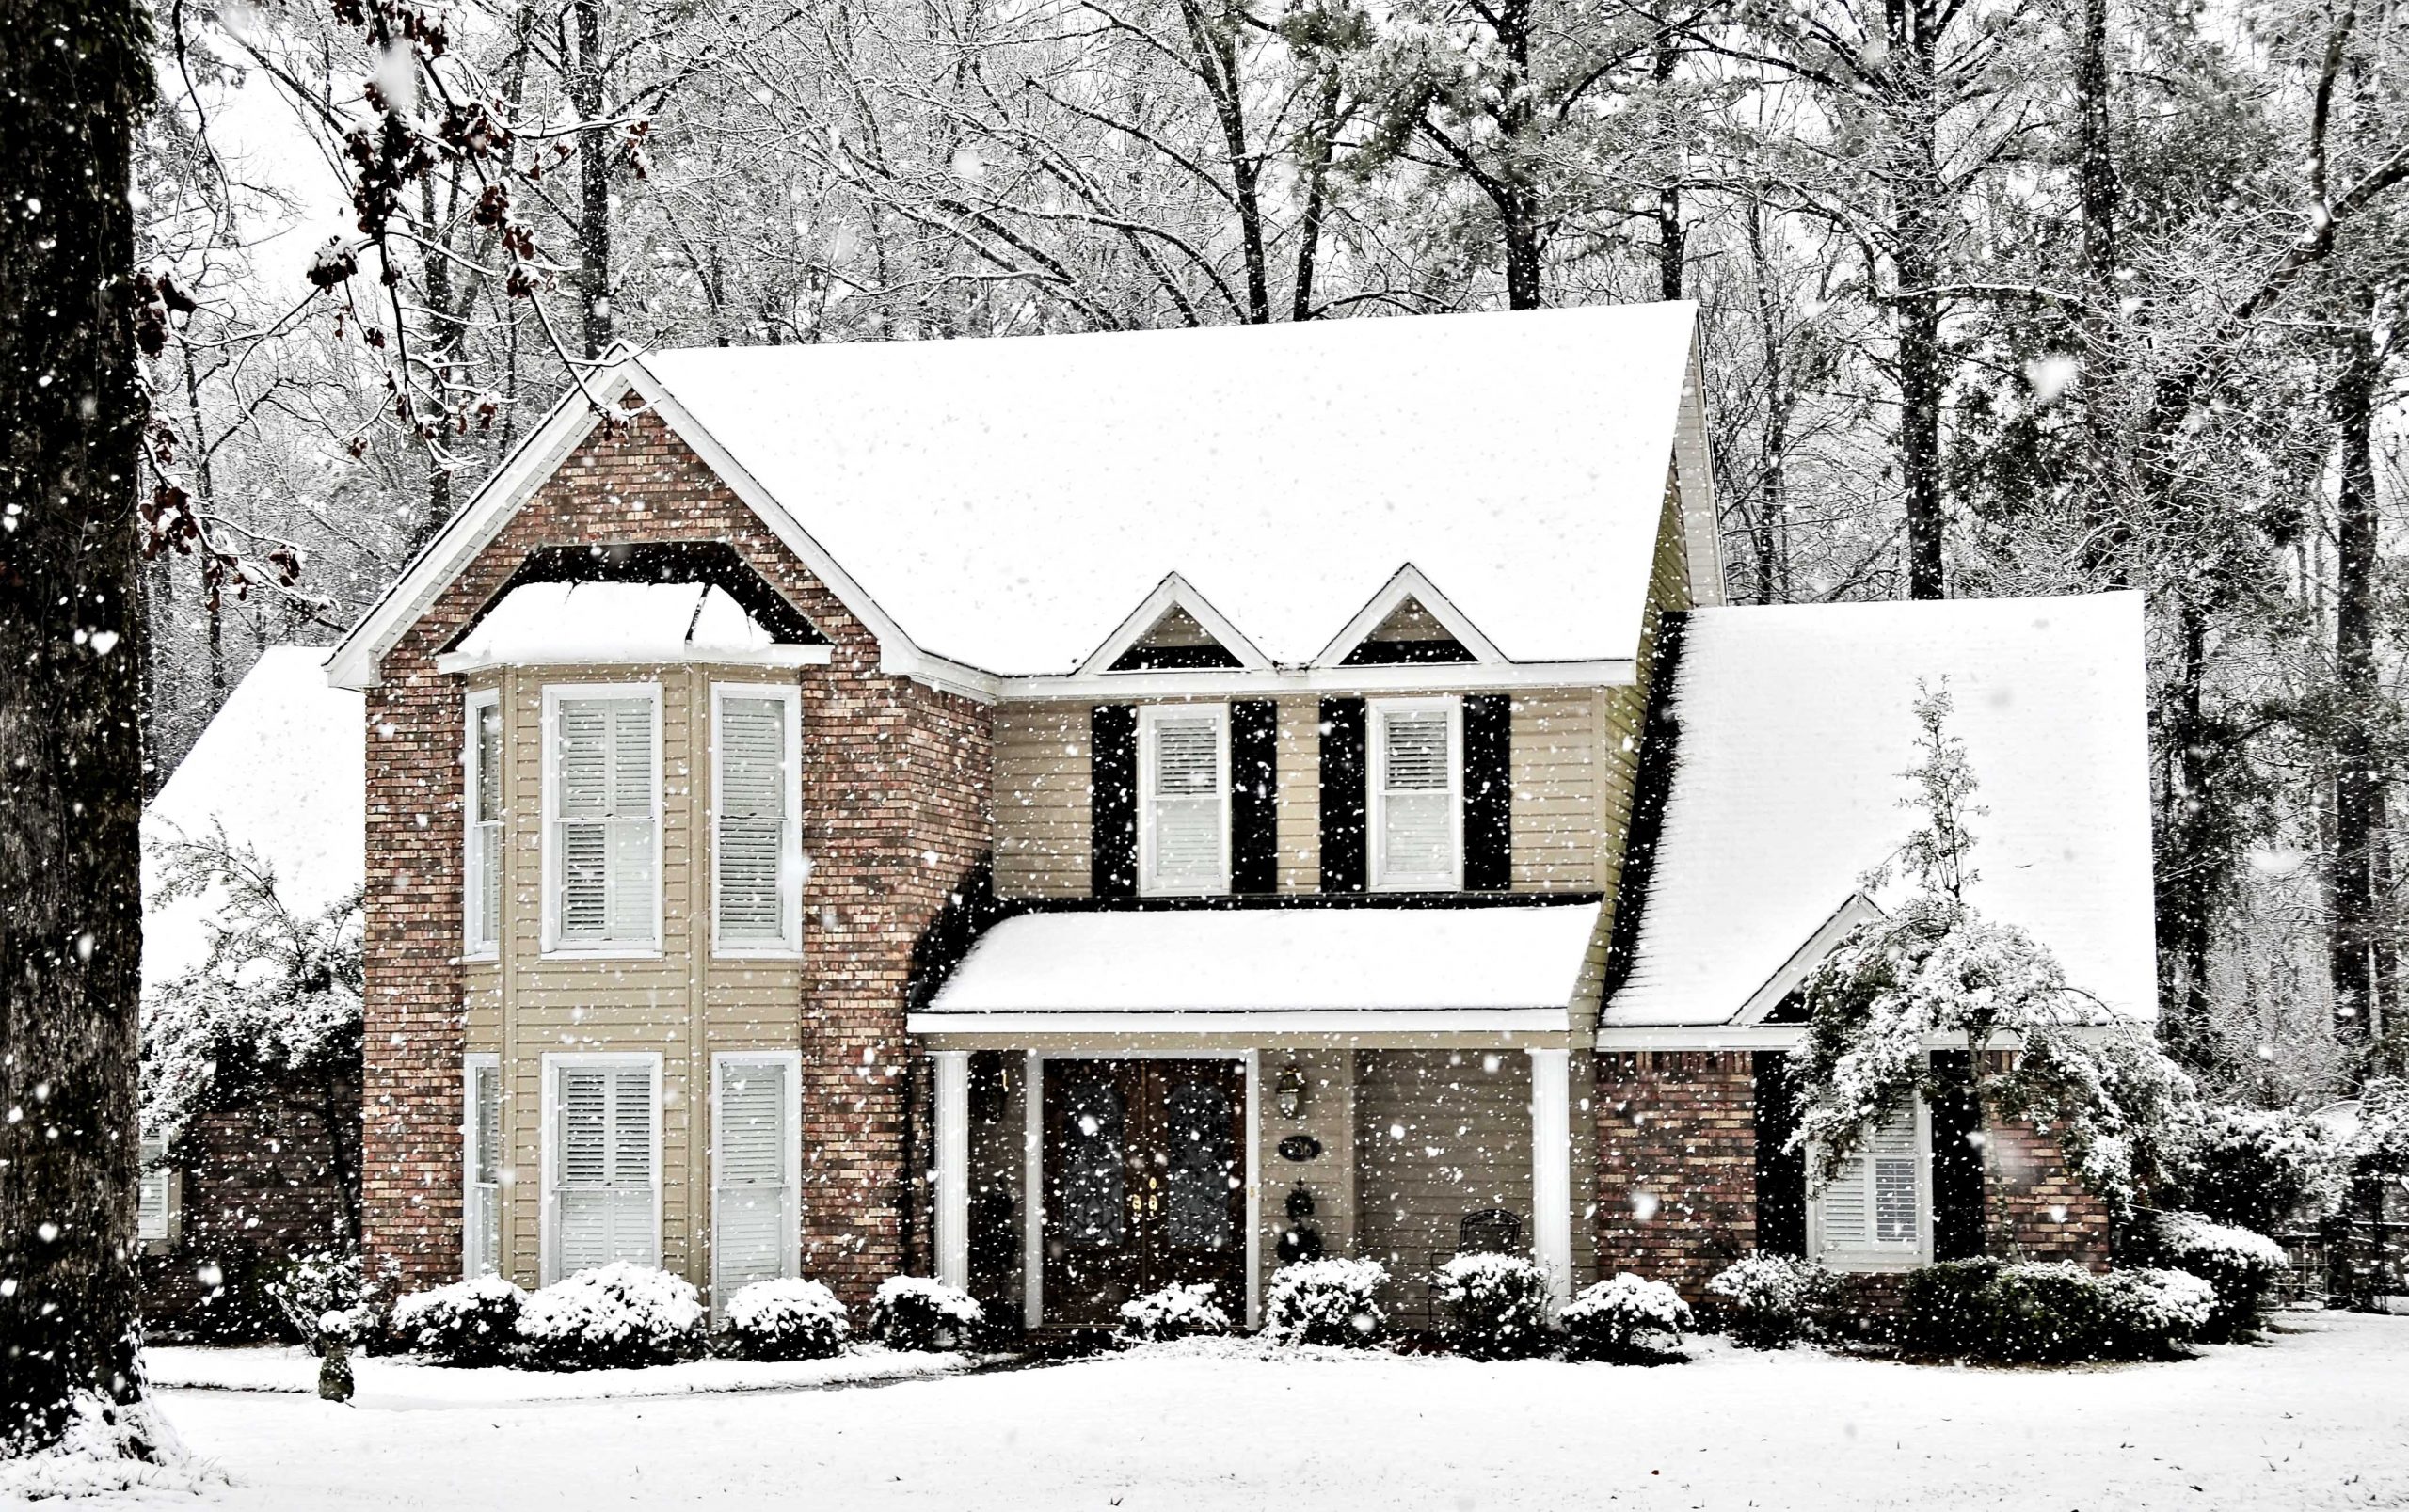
1174 629
1408 622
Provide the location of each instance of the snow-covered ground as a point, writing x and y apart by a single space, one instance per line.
2317 1418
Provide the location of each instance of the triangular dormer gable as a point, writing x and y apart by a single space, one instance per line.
1174 629
1409 621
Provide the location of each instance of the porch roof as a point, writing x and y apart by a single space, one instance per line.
1314 969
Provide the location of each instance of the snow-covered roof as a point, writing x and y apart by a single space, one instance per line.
1001 505
1225 964
636 623
282 769
1795 725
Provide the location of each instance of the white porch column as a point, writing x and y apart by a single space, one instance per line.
1032 1191
953 1166
1552 1167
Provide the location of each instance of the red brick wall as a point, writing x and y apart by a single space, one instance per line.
895 812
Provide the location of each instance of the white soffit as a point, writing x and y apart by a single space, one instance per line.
639 624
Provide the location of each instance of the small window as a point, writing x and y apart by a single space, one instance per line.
605 1166
604 795
481 909
481 1152
154 1200
1184 798
1416 809
755 1173
756 836
1877 1212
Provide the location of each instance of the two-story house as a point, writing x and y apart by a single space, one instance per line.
1077 813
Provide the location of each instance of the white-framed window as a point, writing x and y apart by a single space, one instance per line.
1416 811
602 819
155 1215
481 808
481 1165
758 867
1183 798
601 1160
756 1169
1876 1213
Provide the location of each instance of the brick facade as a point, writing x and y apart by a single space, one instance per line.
895 781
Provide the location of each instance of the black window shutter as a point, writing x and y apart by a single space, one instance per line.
1112 801
1782 1173
1254 796
1344 774
1956 1162
1489 793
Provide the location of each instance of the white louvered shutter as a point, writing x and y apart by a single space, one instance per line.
753 1202
484 826
604 1168
151 1202
1190 805
1417 818
484 1214
758 881
606 793
1874 1204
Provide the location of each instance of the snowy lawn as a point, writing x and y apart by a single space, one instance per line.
2317 1417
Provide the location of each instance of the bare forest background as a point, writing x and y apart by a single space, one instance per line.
2001 297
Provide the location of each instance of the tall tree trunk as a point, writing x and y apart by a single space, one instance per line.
1919 227
1770 528
1672 237
73 638
2196 839
2095 174
1319 147
1217 65
1518 199
2358 941
594 179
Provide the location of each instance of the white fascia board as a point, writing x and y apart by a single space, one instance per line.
354 662
772 656
1859 909
1173 591
1423 678
1702 527
1408 582
1272 1024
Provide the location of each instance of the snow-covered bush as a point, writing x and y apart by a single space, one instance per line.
2242 1266
467 1323
1173 1312
1770 1300
789 1318
2055 1313
2153 1310
2259 1168
1327 1303
2380 1147
1496 1305
614 1316
324 1299
1624 1319
914 1313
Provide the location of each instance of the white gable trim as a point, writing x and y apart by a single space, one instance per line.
1859 909
1408 582
1173 592
1702 527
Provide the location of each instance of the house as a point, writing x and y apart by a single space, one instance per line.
265 1167
1075 813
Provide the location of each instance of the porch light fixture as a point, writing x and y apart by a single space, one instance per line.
1289 1093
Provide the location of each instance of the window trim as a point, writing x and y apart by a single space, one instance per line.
472 947
789 942
152 1157
790 1254
1377 714
554 694
554 1062
1149 716
1886 1257
472 1063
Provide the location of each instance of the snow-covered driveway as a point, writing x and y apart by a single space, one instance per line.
2318 1418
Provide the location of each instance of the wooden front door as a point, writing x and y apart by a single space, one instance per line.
1145 1183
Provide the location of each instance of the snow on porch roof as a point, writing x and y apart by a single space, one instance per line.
1224 963
1008 502
1795 726
618 623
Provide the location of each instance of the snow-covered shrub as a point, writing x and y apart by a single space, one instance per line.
467 1323
614 1316
2259 1168
914 1313
1769 1301
1327 1301
2055 1313
1173 1312
789 1318
324 1299
2242 1266
1496 1305
1624 1319
2379 1147
2152 1311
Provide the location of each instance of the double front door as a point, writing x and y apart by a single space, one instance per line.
1145 1183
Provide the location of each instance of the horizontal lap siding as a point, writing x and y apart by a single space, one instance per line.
1558 766
1043 769
1466 1145
1299 756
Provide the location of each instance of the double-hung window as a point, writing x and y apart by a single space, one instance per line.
602 793
481 1167
756 846
1876 1213
756 1169
1184 799
602 1160
1416 810
481 904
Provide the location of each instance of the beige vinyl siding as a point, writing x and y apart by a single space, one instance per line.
1558 766
1438 1134
1330 1117
1043 771
1298 752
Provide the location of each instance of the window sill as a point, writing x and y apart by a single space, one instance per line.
480 957
1419 884
601 952
766 952
1873 1264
